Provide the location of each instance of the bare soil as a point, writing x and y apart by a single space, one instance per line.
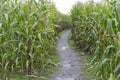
71 64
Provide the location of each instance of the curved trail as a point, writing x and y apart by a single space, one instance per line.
70 61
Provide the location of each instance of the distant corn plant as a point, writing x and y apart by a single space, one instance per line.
26 35
63 22
96 30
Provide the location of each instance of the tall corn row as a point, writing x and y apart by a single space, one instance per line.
96 30
26 35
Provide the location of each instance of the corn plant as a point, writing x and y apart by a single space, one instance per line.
96 30
26 35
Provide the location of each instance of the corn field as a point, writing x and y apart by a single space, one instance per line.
27 35
29 29
96 29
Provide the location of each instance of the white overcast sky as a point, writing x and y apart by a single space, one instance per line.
64 6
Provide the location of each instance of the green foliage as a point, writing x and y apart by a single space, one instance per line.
62 22
27 34
96 30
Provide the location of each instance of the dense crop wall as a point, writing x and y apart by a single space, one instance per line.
96 30
27 33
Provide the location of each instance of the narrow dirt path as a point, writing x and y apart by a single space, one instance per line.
71 63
